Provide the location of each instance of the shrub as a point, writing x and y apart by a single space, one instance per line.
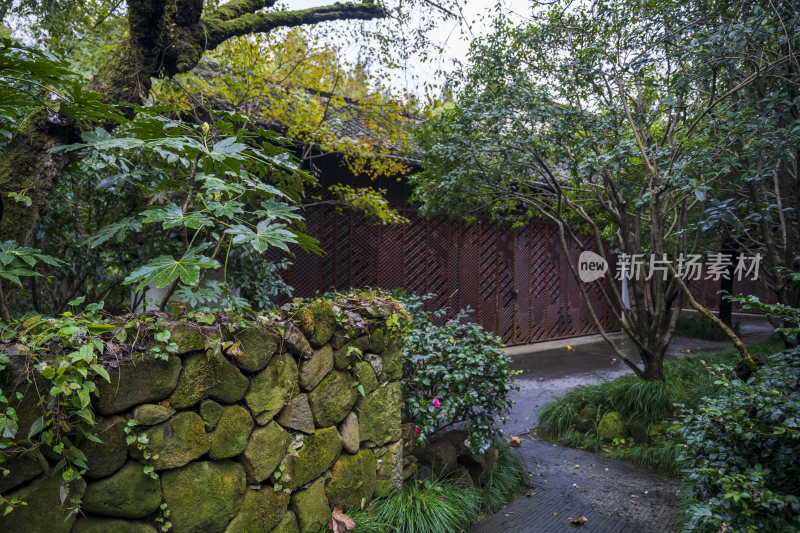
742 452
453 373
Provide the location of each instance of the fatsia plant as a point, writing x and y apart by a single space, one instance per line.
204 192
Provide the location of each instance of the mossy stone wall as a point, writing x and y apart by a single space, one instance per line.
269 435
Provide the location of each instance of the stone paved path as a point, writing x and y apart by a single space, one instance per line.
567 483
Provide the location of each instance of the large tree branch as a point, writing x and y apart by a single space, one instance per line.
236 8
219 31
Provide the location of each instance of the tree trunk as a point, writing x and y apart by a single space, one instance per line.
653 366
166 37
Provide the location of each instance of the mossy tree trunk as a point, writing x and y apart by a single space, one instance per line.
166 37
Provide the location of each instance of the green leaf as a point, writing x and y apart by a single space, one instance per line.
171 215
99 329
165 269
117 231
36 427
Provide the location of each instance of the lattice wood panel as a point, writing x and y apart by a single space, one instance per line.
480 265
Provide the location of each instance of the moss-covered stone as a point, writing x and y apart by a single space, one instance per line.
23 387
295 341
586 419
305 321
173 443
324 323
233 430
365 375
348 431
342 336
392 360
22 467
638 429
137 380
210 411
377 340
261 510
95 524
318 453
612 427
311 507
106 457
344 357
190 337
332 399
202 497
150 414
297 415
208 375
129 493
264 451
271 388
44 511
379 414
352 480
258 347
314 369
389 475
288 524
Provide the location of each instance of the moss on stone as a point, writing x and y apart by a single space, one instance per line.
345 357
258 347
311 507
389 475
95 524
318 453
44 511
297 415
288 524
324 323
305 321
264 451
210 411
379 414
204 496
137 380
364 374
352 480
173 443
377 340
261 510
312 370
392 361
272 388
106 457
129 493
189 337
611 426
231 434
150 414
208 376
333 398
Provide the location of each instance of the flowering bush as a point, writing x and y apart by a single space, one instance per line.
452 374
742 453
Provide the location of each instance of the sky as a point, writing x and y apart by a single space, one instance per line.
454 38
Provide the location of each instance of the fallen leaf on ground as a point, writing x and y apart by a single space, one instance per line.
578 521
340 522
515 441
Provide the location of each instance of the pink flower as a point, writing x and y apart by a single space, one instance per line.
416 430
441 498
436 403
